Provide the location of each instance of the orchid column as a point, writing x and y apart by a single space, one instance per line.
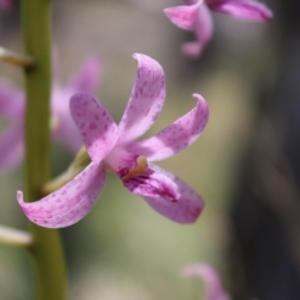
46 247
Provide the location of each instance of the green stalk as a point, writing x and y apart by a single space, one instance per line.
46 248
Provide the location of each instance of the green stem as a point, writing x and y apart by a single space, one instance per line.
46 248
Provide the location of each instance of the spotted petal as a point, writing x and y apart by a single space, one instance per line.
184 16
176 137
167 194
98 130
214 289
70 203
11 147
244 9
146 99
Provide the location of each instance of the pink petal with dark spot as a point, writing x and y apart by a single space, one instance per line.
173 199
214 289
70 203
244 9
146 99
176 137
98 130
153 184
184 16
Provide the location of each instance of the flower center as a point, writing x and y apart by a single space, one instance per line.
125 164
140 168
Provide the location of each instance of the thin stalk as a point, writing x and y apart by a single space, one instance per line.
46 247
14 237
15 58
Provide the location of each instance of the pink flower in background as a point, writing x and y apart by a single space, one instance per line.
6 4
195 16
212 281
87 79
114 148
12 108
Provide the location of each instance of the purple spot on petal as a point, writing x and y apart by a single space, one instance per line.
92 126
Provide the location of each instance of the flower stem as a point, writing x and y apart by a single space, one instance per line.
81 161
46 247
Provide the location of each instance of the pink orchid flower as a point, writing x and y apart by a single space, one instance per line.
195 16
12 108
214 289
114 148
6 4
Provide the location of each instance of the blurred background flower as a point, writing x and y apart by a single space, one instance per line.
63 129
6 5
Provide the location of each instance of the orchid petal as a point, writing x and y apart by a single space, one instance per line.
167 194
98 130
146 100
245 9
11 148
88 77
70 203
214 289
11 101
184 16
203 30
176 137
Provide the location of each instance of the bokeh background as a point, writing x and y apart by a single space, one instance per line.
245 165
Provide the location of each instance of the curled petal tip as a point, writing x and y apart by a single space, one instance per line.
184 16
202 104
245 9
136 55
20 197
197 96
211 278
201 101
69 204
176 137
140 56
200 98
